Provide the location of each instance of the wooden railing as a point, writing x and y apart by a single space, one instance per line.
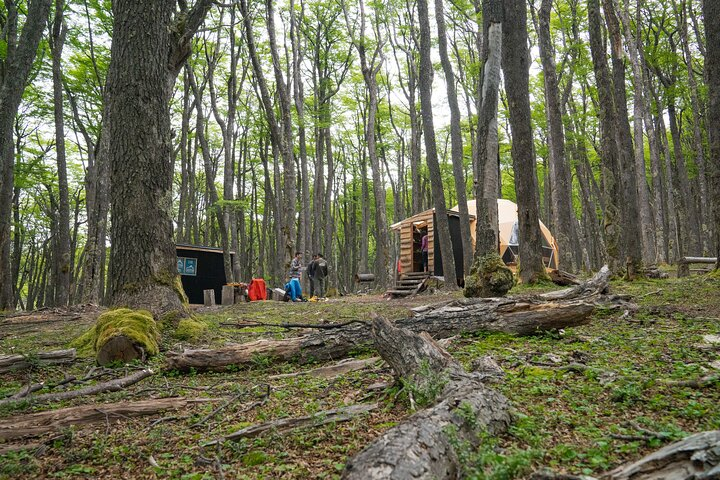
684 264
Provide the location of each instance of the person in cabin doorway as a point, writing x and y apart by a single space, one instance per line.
424 251
320 273
311 274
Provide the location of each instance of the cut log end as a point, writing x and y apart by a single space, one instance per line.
119 348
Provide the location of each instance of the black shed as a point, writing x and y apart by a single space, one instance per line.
201 268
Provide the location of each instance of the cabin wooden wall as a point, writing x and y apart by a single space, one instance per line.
406 240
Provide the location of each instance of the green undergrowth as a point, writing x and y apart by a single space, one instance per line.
190 329
577 421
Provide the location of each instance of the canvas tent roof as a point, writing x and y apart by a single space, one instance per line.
508 232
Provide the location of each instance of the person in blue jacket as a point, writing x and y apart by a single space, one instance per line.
293 291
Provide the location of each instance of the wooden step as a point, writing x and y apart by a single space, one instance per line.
410 282
420 275
400 293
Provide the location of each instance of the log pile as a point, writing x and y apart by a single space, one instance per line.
518 316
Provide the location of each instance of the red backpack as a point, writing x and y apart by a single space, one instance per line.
257 290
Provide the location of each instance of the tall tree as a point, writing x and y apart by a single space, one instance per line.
140 81
516 66
487 188
711 13
608 138
370 65
456 138
560 176
442 224
64 267
15 67
632 236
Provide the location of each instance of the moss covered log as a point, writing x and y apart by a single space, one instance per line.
120 335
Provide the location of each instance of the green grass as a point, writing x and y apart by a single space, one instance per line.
565 420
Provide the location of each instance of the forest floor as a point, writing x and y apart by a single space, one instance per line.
624 402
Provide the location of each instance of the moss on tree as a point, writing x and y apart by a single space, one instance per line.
190 329
489 277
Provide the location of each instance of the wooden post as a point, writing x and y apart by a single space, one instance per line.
683 269
209 297
228 295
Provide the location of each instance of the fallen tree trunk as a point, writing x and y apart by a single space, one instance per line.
518 316
342 414
696 457
36 424
331 371
19 362
109 386
423 446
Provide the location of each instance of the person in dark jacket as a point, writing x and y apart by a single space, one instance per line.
320 274
311 275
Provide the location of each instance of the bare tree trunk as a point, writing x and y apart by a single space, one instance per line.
227 129
699 145
609 147
486 153
140 82
689 215
632 230
711 12
289 190
304 243
455 139
214 199
278 136
370 68
516 66
560 175
62 280
442 224
16 65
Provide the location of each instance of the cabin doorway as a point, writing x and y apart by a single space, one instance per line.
418 233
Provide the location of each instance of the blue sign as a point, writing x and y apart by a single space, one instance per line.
187 266
191 266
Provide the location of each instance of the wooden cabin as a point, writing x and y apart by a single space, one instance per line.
412 229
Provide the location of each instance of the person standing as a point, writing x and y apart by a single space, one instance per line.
296 266
311 275
424 251
321 272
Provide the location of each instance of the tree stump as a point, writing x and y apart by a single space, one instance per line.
121 335
228 295
209 298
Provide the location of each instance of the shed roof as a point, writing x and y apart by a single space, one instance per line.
423 217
